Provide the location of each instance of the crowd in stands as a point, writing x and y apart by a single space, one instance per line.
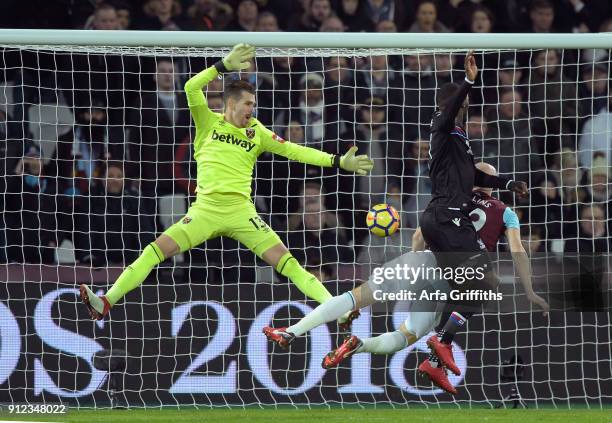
542 116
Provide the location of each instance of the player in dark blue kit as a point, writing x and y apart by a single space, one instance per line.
445 224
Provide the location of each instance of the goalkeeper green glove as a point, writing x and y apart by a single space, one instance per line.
359 164
239 57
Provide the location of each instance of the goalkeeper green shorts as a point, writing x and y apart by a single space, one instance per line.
230 215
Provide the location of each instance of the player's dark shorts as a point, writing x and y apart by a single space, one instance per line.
452 237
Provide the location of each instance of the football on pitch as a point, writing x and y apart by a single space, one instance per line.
383 220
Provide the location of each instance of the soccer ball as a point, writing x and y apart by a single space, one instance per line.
383 220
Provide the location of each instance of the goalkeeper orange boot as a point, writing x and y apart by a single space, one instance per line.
437 376
345 323
444 353
344 351
279 336
98 307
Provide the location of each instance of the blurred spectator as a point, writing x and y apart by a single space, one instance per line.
12 145
481 20
419 184
546 205
30 211
541 15
378 78
279 180
477 130
339 94
162 15
532 238
315 236
267 22
246 16
593 89
419 96
118 225
572 194
354 14
427 18
372 137
332 24
158 123
209 15
385 10
597 136
593 234
311 20
80 152
386 26
123 14
598 54
508 148
287 71
104 18
597 187
443 69
310 112
507 73
553 102
582 16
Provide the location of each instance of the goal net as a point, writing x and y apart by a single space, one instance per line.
98 160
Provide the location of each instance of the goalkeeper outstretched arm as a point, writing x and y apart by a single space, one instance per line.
361 164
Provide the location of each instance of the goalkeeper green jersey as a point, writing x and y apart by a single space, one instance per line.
226 155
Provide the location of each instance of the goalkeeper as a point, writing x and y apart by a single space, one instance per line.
226 148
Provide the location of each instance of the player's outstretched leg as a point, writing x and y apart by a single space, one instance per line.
288 266
131 277
327 312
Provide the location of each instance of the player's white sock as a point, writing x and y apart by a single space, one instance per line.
328 311
387 343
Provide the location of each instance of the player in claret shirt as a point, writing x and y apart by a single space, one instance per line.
226 147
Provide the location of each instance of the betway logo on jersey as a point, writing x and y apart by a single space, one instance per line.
231 139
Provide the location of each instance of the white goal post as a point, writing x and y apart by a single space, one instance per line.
81 102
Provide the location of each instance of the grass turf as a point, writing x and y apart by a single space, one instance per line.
324 416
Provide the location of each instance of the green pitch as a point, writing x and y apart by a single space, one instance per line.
324 416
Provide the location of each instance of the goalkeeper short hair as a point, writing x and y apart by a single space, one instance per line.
234 89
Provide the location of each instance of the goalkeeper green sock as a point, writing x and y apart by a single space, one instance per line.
305 281
133 275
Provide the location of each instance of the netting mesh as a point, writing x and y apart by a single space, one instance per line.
99 160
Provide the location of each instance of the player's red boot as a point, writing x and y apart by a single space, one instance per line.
346 324
98 307
444 353
437 375
344 351
279 336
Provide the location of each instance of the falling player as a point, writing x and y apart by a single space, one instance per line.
226 148
445 223
493 219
